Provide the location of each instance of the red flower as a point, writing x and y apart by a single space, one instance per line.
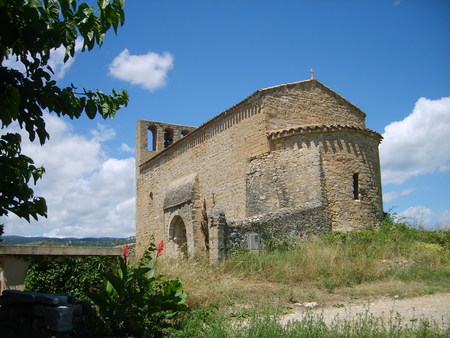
159 248
125 251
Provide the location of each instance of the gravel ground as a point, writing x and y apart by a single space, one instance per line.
433 307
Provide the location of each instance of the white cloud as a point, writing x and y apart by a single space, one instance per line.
87 192
423 217
418 144
148 70
126 148
103 133
443 222
390 196
56 61
12 62
418 216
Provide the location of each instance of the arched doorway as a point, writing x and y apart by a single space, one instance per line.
177 235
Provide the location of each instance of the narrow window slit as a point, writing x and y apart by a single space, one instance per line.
356 186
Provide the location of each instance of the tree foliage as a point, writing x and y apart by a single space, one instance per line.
75 276
29 31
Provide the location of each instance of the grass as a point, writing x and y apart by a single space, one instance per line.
245 295
212 324
393 259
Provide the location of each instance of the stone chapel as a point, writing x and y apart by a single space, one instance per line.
287 161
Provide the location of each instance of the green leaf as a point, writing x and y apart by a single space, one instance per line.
53 9
11 103
91 109
115 281
34 3
108 287
103 3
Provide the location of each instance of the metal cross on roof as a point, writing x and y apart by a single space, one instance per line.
312 71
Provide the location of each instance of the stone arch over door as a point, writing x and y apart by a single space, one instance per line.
181 214
178 237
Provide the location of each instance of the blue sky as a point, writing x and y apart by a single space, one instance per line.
186 61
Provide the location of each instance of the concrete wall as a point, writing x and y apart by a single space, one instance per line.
14 259
14 270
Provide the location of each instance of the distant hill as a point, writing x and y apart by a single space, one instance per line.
71 241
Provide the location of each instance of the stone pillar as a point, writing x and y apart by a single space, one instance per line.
217 235
160 139
176 135
141 141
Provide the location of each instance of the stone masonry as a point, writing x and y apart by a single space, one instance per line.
287 161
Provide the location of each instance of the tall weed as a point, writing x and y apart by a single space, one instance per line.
341 259
388 253
209 323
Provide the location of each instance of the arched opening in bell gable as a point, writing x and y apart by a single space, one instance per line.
151 138
183 133
168 137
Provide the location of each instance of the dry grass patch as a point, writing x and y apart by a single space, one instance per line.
391 260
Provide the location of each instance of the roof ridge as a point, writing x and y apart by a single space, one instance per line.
253 94
287 84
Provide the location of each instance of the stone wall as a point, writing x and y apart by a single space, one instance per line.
285 224
290 150
284 179
162 136
315 104
217 154
345 151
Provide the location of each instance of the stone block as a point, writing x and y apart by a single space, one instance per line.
39 310
6 314
38 328
23 327
6 332
76 308
51 299
59 318
23 310
18 297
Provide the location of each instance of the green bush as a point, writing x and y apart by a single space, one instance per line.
74 276
134 302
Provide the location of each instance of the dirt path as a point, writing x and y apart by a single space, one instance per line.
433 307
